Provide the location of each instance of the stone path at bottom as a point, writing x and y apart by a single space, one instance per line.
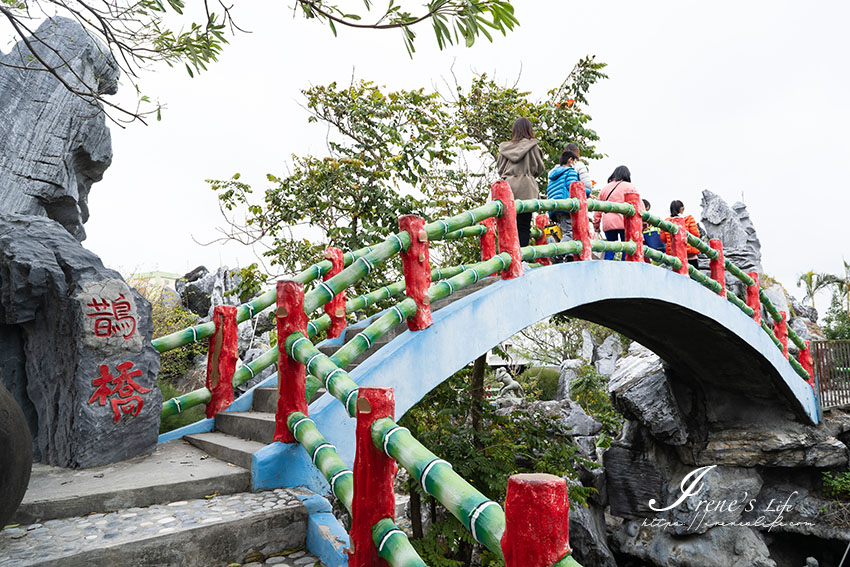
29 545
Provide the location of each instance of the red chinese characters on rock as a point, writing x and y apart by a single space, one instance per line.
112 317
126 391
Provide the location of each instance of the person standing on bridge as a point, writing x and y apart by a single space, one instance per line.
677 209
612 224
520 160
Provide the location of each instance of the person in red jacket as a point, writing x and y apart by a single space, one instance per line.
677 209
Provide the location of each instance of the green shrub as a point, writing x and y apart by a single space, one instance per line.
191 415
837 485
539 383
590 390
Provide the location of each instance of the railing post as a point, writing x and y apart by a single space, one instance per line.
335 308
417 271
780 329
374 473
753 297
221 360
680 244
581 232
506 228
718 266
634 226
806 363
291 374
488 239
537 519
542 221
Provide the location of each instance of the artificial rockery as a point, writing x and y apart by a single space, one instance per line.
75 339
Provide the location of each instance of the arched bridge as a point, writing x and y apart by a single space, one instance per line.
705 333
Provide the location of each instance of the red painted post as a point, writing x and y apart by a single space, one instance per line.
488 239
335 308
417 271
221 360
537 520
634 226
292 375
753 300
374 473
780 329
718 266
806 363
506 228
680 245
542 221
581 230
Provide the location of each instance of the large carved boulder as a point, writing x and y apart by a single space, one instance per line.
75 348
53 143
733 226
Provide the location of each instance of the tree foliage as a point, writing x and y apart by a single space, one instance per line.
486 457
142 33
395 153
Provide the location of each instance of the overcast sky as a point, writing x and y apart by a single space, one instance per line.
747 99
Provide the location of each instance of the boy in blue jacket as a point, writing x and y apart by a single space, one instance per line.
560 179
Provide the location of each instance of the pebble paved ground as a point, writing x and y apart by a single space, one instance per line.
28 545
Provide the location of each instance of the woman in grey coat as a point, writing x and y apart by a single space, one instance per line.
519 162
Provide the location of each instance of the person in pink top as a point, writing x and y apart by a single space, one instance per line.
611 224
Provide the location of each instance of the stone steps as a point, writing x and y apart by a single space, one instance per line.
174 471
251 425
202 532
227 448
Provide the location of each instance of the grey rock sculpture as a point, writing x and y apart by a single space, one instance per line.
804 311
588 345
777 297
510 387
54 144
588 538
605 357
75 348
733 226
640 390
567 373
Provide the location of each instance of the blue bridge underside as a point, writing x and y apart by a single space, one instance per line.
699 334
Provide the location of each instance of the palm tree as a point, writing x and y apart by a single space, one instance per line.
813 282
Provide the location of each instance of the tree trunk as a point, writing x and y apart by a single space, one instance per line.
476 390
415 510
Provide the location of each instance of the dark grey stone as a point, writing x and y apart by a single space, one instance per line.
632 480
588 538
804 311
640 390
51 291
15 455
53 144
732 225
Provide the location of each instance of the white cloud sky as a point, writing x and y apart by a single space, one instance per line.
747 99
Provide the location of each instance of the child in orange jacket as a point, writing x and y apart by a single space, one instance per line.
677 208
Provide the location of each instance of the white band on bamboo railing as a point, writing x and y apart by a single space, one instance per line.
390 434
310 361
319 448
292 349
335 477
386 537
296 424
367 339
445 227
330 375
401 316
473 516
328 290
427 469
348 397
400 245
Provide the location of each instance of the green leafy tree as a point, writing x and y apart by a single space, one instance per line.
836 321
142 33
395 153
